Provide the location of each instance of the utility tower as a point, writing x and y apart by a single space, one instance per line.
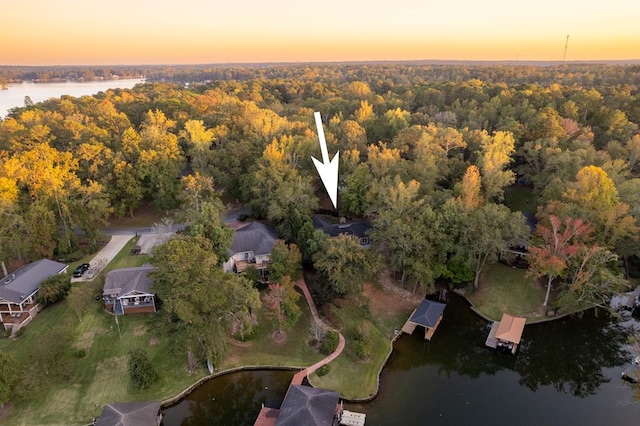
566 44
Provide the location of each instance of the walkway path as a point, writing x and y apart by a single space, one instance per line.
298 377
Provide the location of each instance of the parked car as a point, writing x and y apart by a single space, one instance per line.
80 270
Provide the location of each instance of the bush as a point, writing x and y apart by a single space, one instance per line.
54 289
80 353
141 371
329 343
361 342
323 371
248 333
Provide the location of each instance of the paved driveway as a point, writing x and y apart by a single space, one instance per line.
104 256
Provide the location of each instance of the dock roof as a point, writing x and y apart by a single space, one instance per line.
428 313
511 328
307 406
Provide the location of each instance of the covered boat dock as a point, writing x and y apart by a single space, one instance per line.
428 315
507 333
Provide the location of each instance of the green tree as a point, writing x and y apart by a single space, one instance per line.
54 289
286 260
202 304
409 234
203 212
345 264
141 370
485 232
79 299
355 195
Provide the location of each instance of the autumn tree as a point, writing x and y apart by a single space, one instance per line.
495 156
559 242
199 140
470 197
282 302
592 278
594 197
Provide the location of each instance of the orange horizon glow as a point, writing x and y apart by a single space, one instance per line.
68 32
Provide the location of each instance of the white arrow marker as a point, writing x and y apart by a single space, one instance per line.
328 171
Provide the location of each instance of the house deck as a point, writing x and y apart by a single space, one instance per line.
242 265
267 417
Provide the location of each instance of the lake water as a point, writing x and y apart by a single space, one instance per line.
566 372
38 92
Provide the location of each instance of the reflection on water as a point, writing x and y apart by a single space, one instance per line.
232 399
565 372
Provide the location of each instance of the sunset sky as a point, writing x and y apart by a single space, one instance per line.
61 32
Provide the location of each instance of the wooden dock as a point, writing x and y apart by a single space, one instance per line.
409 326
428 332
349 418
492 341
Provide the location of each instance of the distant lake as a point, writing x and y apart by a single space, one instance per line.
38 92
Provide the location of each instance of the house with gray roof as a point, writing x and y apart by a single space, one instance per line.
130 414
18 290
251 246
359 230
128 291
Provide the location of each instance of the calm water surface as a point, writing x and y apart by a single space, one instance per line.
38 92
567 372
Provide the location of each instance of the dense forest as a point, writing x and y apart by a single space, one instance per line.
428 154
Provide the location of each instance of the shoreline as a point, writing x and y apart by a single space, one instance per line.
180 396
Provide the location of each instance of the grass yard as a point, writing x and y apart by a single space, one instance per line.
506 289
143 216
99 377
520 198
88 383
264 350
381 312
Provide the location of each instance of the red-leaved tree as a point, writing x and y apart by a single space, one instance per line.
559 242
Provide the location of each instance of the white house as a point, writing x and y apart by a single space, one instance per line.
252 246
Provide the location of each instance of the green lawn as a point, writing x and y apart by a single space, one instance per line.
520 198
353 377
100 377
506 289
264 350
143 216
